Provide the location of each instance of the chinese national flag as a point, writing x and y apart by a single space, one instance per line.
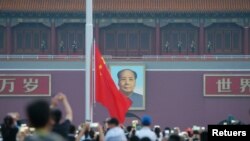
106 91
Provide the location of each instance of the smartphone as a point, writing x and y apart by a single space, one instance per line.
24 128
167 132
196 128
24 125
203 128
94 125
172 131
134 123
32 130
156 126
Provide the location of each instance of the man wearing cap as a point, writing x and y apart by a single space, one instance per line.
115 133
145 131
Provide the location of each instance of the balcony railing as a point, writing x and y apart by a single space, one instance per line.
130 58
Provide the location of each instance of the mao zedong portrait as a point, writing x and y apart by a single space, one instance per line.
127 83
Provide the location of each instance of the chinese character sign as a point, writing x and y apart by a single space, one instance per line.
25 84
226 84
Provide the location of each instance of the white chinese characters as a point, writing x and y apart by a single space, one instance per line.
9 85
244 83
224 85
7 82
30 84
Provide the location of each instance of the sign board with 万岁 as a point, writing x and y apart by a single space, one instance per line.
226 84
25 84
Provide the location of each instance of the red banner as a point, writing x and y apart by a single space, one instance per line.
226 84
25 84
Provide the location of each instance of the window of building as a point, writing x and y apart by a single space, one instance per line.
31 38
236 40
36 40
145 40
19 43
224 38
122 40
133 40
127 39
27 40
71 38
110 41
179 38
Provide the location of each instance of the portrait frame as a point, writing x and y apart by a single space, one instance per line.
139 69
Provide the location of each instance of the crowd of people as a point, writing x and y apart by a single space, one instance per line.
47 123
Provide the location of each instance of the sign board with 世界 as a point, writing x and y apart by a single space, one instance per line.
226 84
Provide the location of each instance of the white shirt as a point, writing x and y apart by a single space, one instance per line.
146 132
115 134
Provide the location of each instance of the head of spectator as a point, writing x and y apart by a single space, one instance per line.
105 127
157 131
8 129
56 115
38 113
166 132
146 131
134 138
203 136
196 135
190 132
115 132
8 121
174 137
146 120
184 136
113 122
145 139
15 116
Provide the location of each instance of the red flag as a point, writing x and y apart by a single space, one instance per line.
106 91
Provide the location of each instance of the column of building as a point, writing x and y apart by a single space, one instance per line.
8 35
53 37
202 47
157 36
246 40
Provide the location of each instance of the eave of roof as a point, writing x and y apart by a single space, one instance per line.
123 6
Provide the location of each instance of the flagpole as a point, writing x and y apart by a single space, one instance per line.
88 46
94 94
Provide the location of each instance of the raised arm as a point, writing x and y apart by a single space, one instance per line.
67 107
63 98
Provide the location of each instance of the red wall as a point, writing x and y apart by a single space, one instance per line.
172 99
